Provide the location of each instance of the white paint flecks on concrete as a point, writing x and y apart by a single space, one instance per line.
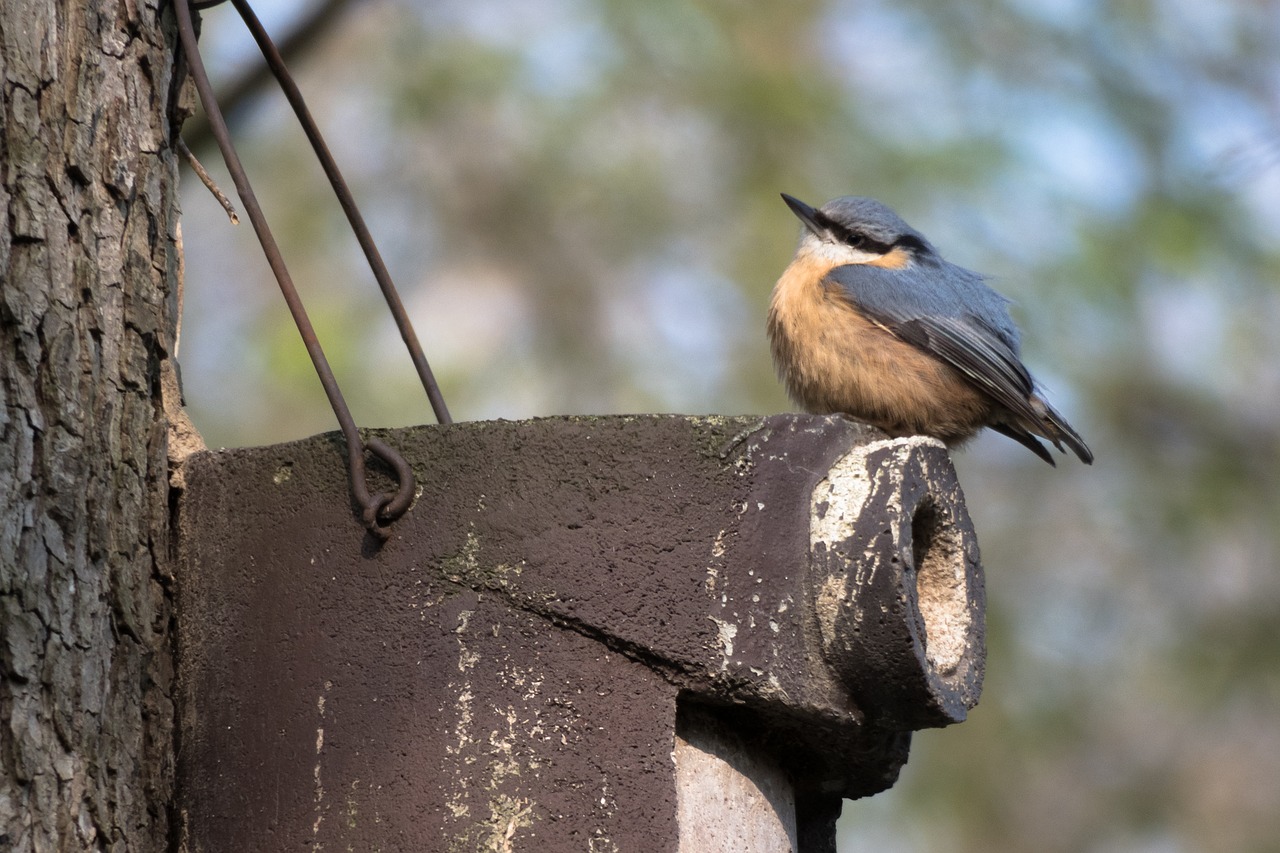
725 632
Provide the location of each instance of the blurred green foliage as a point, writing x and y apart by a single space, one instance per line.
580 203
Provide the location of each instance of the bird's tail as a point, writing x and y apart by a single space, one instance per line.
1049 425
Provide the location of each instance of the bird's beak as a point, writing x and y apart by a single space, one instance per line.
812 219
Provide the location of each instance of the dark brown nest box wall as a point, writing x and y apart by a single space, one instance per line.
644 633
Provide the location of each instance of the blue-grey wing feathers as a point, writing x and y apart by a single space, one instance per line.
950 312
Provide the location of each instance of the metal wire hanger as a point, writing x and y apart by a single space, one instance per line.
378 510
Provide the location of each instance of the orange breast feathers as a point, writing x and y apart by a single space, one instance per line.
832 358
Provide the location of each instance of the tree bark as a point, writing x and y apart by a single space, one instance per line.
88 218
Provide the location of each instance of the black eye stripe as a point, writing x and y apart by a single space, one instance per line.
861 241
866 243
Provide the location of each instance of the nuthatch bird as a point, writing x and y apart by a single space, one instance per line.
869 320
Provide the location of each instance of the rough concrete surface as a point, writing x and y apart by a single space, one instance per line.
506 672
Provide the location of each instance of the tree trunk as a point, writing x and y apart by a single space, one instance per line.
88 217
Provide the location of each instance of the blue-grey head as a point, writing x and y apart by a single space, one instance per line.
859 230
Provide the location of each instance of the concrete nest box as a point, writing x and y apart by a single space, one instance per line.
648 633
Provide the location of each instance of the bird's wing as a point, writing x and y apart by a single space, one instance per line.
958 322
968 344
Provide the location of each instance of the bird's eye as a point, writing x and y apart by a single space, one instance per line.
854 239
